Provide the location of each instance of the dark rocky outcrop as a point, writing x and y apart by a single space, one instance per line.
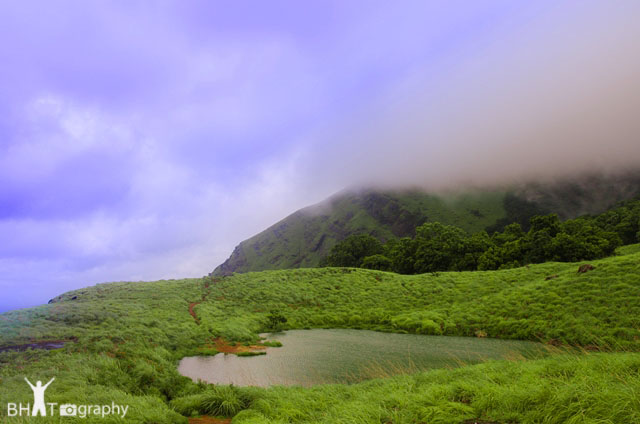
585 268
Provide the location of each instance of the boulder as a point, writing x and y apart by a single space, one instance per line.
586 267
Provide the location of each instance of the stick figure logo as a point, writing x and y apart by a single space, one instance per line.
38 397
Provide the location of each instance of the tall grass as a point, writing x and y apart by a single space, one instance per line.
590 388
598 309
126 339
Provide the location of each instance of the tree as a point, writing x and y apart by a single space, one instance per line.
550 224
511 233
491 259
378 262
588 240
568 249
538 241
439 247
474 248
402 254
624 220
352 250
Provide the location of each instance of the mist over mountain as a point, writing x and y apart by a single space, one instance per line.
304 237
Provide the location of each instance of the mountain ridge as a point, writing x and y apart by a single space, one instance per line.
302 238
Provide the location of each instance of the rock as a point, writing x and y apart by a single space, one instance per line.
586 267
74 297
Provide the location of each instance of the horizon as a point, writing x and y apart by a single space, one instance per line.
148 148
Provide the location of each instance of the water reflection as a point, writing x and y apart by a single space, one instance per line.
311 357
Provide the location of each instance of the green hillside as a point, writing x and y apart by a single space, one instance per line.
126 339
305 237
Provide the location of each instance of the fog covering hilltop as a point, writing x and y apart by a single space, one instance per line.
304 237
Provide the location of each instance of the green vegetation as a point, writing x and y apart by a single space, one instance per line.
518 211
353 250
438 247
205 351
251 353
213 400
305 237
599 307
594 388
276 320
129 337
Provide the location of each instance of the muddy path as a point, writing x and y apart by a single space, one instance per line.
192 305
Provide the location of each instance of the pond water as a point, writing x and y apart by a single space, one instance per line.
310 357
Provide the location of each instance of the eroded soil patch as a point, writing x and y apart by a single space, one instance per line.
44 344
223 346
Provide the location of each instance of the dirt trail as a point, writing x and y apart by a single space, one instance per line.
192 305
192 312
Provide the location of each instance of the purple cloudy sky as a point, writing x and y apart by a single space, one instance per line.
145 139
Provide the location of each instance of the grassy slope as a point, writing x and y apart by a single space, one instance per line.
130 336
303 238
601 307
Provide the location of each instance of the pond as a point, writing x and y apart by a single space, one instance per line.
310 357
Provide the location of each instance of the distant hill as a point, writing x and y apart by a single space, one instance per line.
304 237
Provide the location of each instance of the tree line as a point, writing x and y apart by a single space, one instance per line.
439 247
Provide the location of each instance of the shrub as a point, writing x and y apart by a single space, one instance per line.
275 320
186 405
225 400
252 353
378 262
249 416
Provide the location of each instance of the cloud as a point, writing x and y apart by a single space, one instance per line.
549 99
152 144
542 100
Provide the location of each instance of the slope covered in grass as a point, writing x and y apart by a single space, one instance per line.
126 339
551 302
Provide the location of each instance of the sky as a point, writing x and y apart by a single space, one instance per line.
144 140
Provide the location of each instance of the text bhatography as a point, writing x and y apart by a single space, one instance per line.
70 410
